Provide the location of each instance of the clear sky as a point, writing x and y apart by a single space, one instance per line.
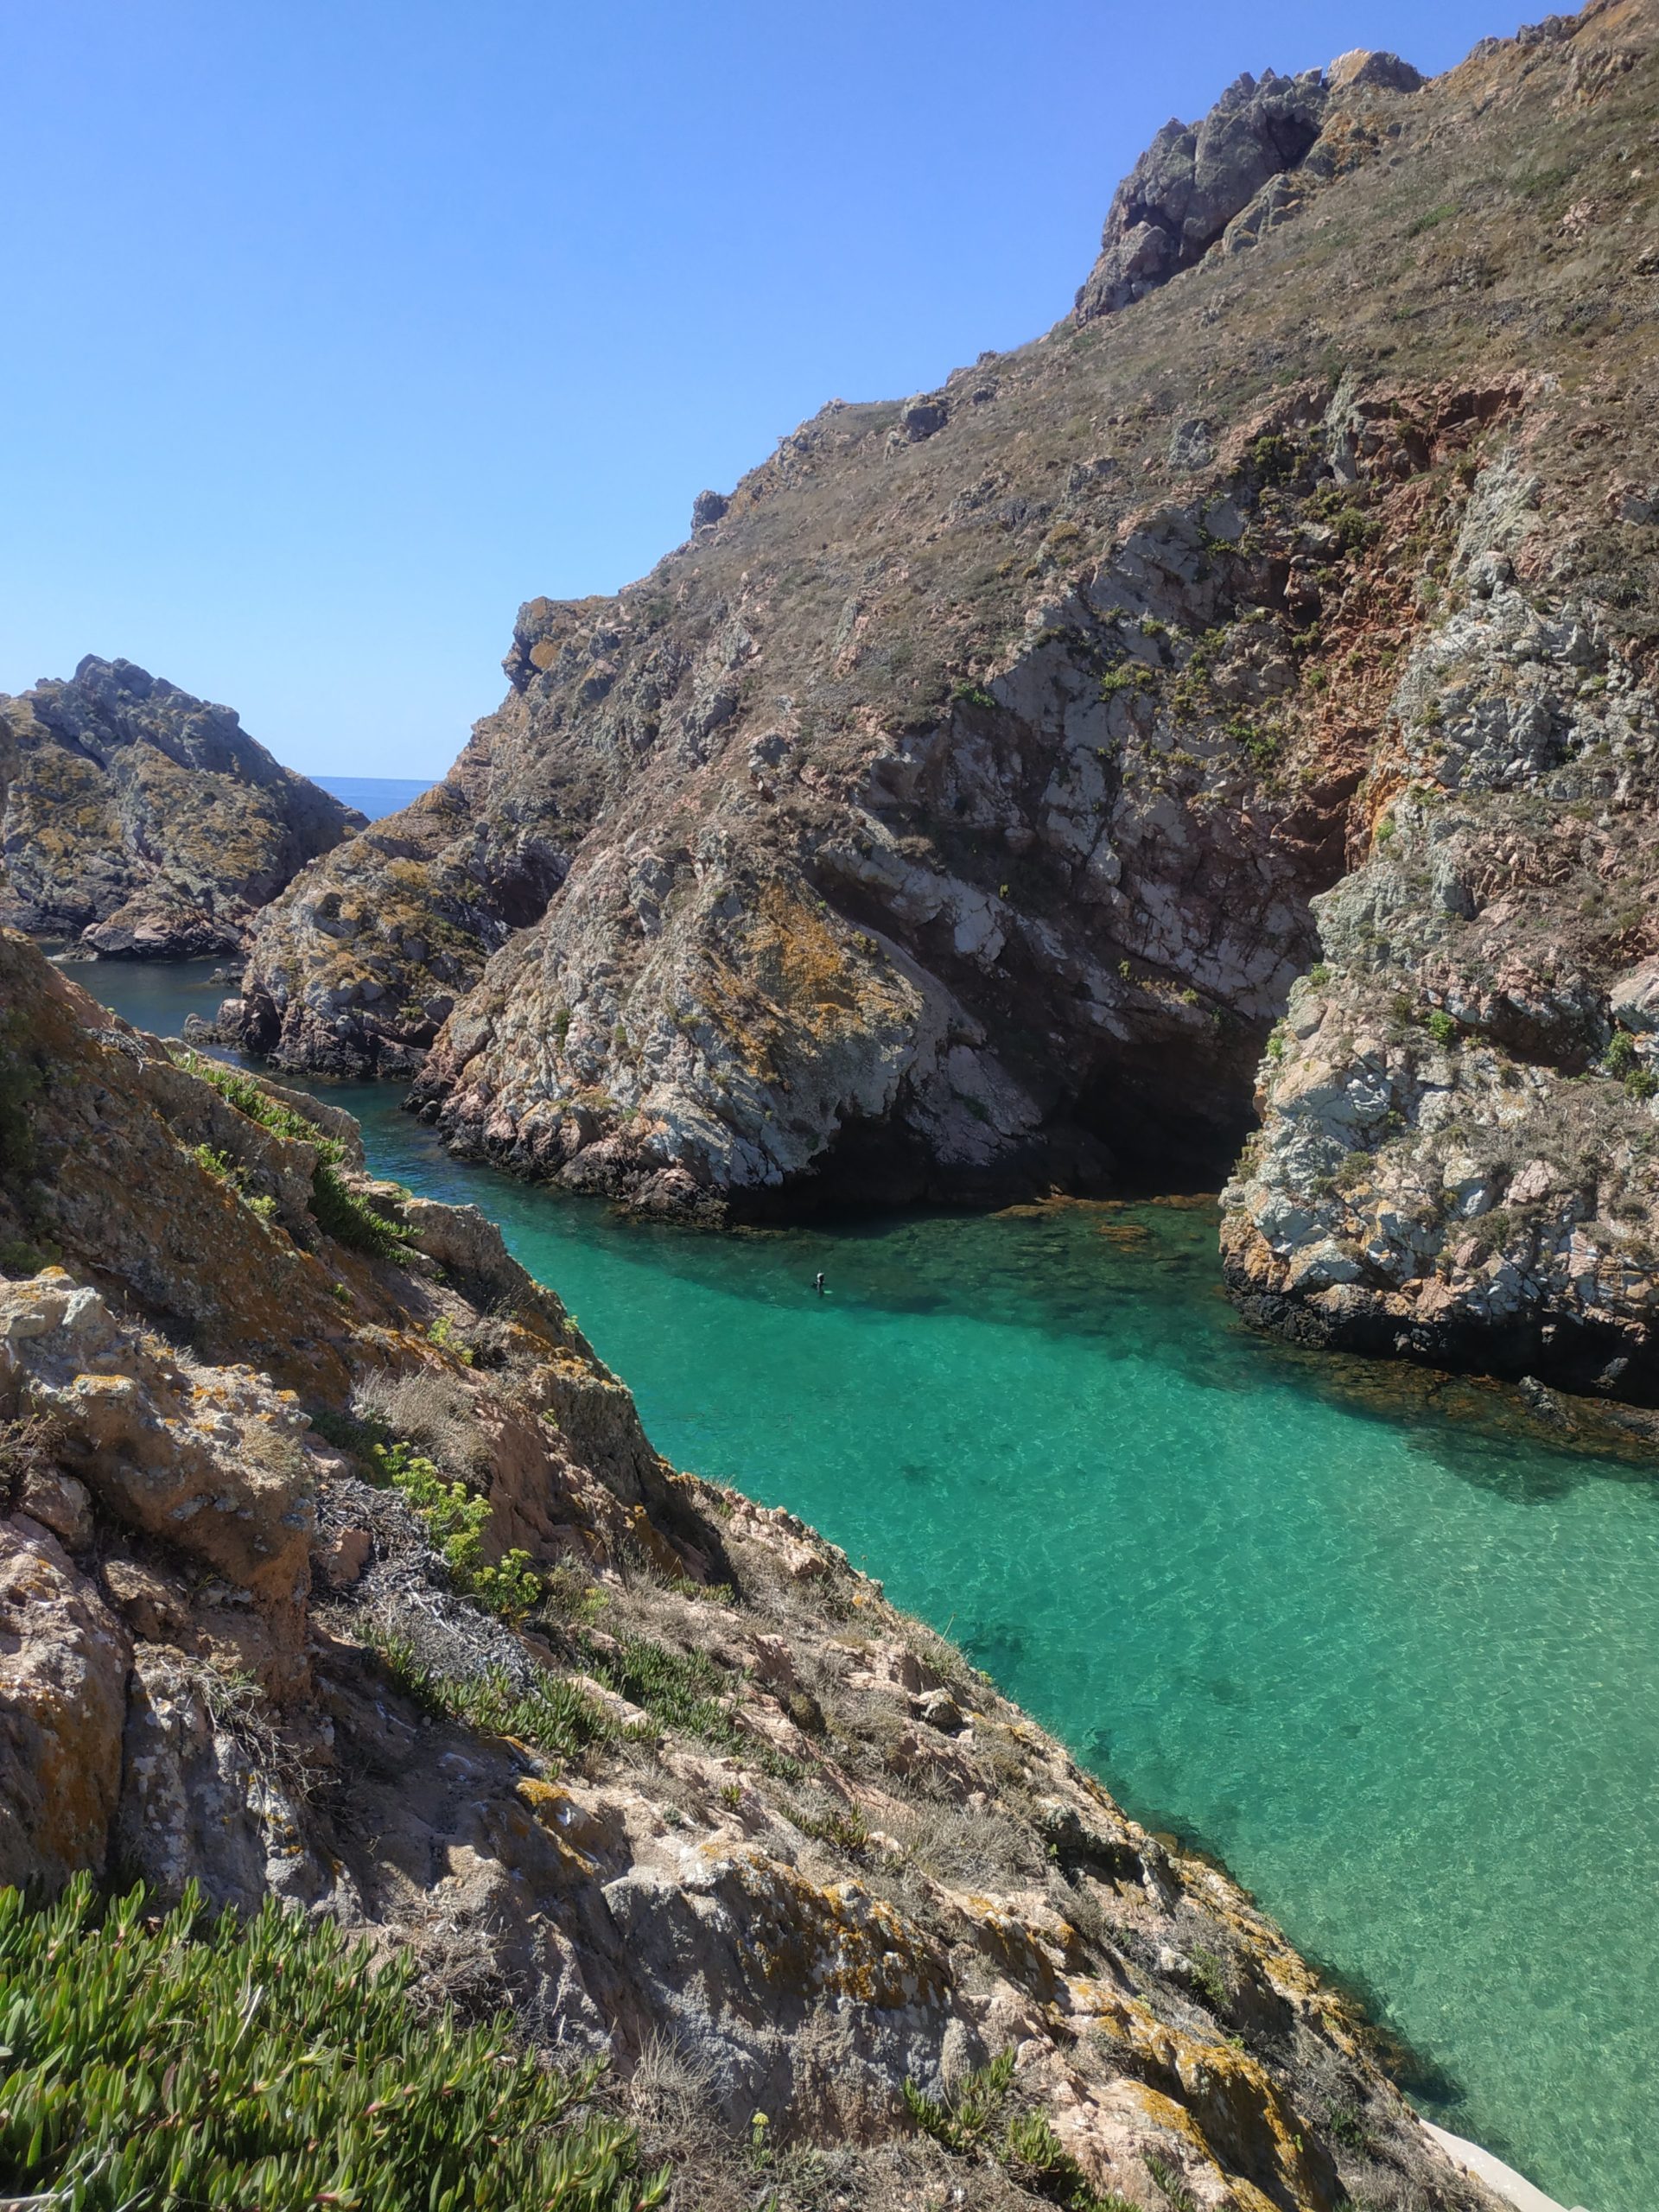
335 328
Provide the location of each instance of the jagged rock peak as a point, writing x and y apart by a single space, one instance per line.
1195 179
141 819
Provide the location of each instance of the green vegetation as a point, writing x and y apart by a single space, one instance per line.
1440 1026
223 1169
1642 1083
1431 219
1209 1972
1179 2196
967 2118
1346 2125
1260 746
350 1219
683 1690
444 1334
970 2123
156 2064
1129 676
339 1211
1273 458
456 1519
973 694
551 1714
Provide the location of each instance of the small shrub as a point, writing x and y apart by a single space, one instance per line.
223 1169
1272 459
20 1082
1209 1972
456 1519
551 1714
973 694
350 1219
845 1829
1440 1026
1620 1057
1431 219
189 2060
1641 1083
969 2124
970 2110
1129 677
1346 2125
444 1334
683 1690
1176 2192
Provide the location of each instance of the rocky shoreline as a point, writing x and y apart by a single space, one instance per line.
953 817
737 1826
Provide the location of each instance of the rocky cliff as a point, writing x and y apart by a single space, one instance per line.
348 1578
139 821
956 810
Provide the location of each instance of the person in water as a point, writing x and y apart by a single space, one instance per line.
818 1285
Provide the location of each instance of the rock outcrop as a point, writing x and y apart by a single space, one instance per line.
1241 171
1459 1159
138 821
694 1798
954 812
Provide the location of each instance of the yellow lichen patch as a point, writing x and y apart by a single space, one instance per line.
1231 2097
564 1817
1014 1945
837 1942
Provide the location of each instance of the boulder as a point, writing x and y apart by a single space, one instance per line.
63 1678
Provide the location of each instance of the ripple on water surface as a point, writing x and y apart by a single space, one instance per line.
1391 1656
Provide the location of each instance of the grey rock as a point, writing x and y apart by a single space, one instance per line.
1193 180
921 417
144 821
1191 444
1634 998
708 508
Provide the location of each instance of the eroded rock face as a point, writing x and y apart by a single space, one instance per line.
944 819
1459 1159
141 822
64 1658
843 1864
1240 172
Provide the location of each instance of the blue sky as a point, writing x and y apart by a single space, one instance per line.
336 328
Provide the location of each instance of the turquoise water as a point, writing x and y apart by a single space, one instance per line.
1393 1658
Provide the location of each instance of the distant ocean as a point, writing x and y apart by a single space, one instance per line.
374 795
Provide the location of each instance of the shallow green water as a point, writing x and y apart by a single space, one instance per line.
1395 1663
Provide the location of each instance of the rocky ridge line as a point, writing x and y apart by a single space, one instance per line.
141 822
950 818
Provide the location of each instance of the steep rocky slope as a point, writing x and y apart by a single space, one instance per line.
351 1580
141 821
956 810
